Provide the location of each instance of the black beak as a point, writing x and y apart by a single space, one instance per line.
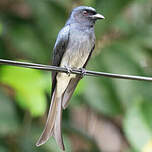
98 16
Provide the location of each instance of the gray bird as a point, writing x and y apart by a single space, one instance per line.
73 48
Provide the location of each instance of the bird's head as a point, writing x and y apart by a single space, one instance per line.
84 15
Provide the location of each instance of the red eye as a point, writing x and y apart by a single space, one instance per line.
85 13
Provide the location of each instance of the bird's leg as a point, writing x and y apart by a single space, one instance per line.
83 72
68 70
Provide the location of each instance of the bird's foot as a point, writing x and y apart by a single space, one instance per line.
83 72
68 70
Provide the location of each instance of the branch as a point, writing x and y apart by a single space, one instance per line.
73 71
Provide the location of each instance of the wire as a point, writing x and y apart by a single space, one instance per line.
73 71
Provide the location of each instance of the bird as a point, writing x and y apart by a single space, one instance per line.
73 48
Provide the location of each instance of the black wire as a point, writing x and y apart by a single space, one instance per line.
73 71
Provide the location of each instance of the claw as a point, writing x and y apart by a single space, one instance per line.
68 70
83 72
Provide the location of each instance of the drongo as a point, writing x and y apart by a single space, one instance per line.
73 48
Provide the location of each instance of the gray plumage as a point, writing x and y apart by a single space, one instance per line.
73 48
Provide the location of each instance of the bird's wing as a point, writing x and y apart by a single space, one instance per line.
89 56
58 51
72 85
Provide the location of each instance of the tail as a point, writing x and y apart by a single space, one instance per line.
53 124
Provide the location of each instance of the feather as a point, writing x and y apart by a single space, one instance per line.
57 132
59 50
69 91
48 130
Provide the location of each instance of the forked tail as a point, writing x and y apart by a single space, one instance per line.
53 123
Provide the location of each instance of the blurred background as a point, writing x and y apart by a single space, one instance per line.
104 115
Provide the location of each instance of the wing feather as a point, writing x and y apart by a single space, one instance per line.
59 50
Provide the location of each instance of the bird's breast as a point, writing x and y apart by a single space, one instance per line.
78 49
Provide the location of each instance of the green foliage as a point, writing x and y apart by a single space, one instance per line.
29 87
28 30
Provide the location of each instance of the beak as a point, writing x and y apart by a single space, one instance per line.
98 16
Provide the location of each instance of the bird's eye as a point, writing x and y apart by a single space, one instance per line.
85 13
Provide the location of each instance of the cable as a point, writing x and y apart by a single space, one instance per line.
73 71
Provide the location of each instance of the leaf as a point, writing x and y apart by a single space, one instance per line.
29 86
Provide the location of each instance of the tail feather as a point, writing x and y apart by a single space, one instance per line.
57 133
53 124
48 130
